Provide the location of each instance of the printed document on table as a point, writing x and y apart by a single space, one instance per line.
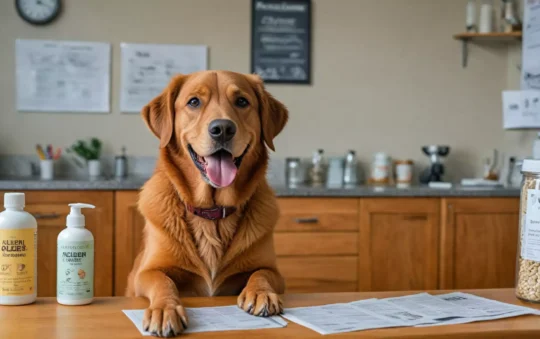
392 311
337 318
486 309
432 306
530 68
212 319
147 69
487 306
62 76
446 312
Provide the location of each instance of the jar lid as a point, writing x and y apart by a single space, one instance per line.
380 156
404 162
531 165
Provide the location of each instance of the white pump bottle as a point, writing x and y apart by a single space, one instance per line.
75 260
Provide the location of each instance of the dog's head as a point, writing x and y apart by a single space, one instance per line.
219 119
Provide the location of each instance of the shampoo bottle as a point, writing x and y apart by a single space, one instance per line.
18 249
75 260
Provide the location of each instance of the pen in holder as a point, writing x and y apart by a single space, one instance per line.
46 169
46 162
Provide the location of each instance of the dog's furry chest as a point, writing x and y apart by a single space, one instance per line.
212 239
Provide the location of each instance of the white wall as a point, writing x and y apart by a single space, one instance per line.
386 76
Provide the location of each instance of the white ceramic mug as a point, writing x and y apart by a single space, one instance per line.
46 169
94 168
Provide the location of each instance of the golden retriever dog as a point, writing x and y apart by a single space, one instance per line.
209 210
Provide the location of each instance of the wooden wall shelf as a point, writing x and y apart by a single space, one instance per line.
484 37
498 36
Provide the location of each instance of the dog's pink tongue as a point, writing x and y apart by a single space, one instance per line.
221 169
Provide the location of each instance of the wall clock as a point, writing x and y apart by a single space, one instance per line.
38 12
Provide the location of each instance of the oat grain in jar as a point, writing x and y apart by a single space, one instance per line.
528 254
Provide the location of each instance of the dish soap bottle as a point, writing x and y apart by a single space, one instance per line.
75 260
18 252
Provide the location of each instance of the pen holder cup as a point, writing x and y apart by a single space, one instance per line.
46 169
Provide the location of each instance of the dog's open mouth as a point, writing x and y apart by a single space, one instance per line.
219 168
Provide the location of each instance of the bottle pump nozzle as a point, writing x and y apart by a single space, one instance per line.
75 218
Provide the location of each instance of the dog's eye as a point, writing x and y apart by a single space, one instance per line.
194 102
241 102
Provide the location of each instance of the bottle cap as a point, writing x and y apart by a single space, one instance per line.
75 218
13 200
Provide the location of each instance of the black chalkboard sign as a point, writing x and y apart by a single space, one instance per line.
281 40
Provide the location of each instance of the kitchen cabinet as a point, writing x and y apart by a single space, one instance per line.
398 244
322 244
128 237
50 208
478 242
316 242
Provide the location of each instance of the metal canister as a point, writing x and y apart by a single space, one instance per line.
120 165
293 172
350 173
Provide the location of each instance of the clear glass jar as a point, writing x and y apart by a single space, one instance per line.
528 253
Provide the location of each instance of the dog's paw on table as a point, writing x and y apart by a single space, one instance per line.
165 321
260 303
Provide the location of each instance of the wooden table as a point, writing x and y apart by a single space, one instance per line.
104 319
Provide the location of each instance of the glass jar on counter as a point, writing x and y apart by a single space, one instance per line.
380 169
293 172
528 254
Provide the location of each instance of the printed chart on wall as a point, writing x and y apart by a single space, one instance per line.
62 76
530 70
521 109
148 68
281 40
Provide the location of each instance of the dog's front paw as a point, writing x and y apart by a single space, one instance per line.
261 303
166 320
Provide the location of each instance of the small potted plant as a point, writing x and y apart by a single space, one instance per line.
90 152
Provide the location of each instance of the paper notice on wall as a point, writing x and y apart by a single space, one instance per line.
62 76
521 109
147 69
530 69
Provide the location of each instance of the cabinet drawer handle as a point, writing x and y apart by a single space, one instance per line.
312 220
415 217
46 216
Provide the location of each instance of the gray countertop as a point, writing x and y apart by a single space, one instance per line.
413 191
134 183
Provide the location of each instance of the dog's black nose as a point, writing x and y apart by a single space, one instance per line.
222 130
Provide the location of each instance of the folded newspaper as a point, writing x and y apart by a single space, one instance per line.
418 310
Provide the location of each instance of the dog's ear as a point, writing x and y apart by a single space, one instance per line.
159 113
274 114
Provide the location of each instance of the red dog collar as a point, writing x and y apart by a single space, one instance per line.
212 213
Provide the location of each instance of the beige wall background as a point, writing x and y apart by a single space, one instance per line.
386 77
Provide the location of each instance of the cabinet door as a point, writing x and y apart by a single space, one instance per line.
316 242
128 237
50 208
319 274
398 248
478 242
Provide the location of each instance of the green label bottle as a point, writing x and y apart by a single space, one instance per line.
75 260
75 270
